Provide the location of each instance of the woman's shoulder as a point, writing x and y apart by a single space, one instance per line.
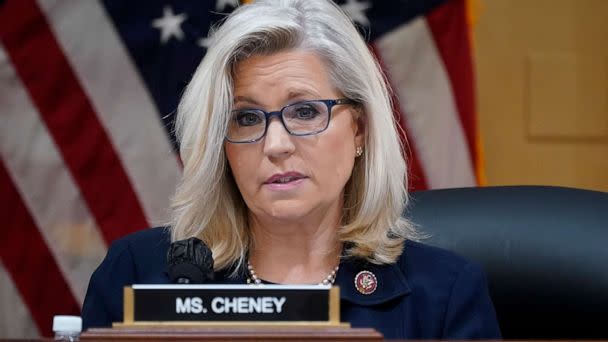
157 235
418 256
142 242
438 270
447 285
143 251
135 258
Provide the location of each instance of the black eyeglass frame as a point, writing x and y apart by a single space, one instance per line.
330 103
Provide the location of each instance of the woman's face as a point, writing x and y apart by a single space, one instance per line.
282 176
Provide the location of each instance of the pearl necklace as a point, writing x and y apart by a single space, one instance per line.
253 277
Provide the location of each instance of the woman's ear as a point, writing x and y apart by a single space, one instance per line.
360 123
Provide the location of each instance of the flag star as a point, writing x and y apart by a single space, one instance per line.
170 25
220 5
356 11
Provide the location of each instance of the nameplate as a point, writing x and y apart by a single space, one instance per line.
229 304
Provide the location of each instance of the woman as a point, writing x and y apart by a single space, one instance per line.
293 174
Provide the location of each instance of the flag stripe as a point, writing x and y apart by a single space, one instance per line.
416 178
121 101
26 257
70 118
16 322
67 225
419 78
448 25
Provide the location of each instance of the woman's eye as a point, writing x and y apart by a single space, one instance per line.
248 118
305 112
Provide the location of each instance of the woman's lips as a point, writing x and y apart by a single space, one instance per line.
284 177
290 185
284 181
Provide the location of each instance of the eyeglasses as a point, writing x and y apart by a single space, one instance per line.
299 119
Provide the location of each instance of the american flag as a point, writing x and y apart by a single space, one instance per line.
88 92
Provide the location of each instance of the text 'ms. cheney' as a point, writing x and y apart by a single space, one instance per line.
224 305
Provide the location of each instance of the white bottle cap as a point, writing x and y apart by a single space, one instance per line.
67 323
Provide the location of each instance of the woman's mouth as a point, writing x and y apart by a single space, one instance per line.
285 181
282 178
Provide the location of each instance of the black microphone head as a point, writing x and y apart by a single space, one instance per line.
189 261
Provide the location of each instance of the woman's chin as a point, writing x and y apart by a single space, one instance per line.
288 210
289 214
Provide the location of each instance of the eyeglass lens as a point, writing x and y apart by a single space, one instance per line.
303 118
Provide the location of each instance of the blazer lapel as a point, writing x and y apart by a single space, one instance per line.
391 282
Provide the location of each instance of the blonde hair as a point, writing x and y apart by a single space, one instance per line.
207 203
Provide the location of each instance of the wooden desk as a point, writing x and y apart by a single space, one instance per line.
262 333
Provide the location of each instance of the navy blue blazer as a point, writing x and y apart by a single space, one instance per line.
429 293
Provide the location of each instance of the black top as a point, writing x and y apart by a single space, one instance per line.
429 293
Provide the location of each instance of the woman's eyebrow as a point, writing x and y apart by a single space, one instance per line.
301 93
291 94
247 99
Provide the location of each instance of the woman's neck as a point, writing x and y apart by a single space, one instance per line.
295 252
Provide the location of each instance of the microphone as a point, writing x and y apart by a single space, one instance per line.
189 262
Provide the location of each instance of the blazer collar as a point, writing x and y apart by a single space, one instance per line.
391 282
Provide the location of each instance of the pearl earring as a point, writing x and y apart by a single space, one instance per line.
359 151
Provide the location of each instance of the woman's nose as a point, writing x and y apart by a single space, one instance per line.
278 142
